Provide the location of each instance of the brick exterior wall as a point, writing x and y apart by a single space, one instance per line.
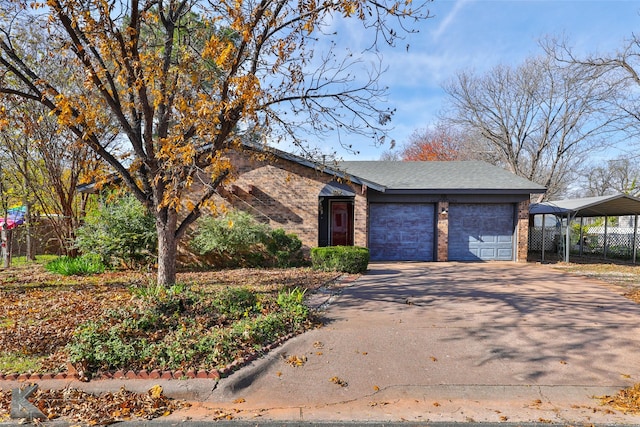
442 253
285 194
523 231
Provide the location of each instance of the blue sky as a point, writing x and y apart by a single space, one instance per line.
480 34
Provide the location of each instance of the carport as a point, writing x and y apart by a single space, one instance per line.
602 206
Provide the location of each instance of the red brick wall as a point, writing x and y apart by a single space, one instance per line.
523 231
443 231
285 195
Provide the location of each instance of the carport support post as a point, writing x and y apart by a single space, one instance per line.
606 229
635 237
543 233
567 238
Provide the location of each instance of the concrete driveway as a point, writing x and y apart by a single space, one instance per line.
450 342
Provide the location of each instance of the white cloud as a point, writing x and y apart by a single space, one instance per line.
449 19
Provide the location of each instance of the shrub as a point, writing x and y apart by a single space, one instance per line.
234 233
67 266
235 303
121 230
231 237
292 304
238 239
285 249
345 259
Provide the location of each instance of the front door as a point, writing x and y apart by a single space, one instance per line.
341 231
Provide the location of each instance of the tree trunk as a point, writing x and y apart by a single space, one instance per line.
5 235
29 255
166 226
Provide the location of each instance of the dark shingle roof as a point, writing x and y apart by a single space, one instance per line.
467 176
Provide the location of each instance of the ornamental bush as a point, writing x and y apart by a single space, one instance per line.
238 239
233 234
345 259
119 231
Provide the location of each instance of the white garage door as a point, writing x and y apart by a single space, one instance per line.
481 231
401 231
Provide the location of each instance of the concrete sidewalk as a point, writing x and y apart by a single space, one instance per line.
437 342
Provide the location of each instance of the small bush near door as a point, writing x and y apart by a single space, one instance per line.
346 259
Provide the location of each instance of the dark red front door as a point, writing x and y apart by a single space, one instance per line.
341 224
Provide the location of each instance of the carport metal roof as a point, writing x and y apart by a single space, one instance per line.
616 205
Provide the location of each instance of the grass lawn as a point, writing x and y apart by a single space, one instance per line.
621 277
120 321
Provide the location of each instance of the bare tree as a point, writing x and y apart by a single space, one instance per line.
620 68
539 120
619 175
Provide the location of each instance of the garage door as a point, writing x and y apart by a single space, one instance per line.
401 231
481 232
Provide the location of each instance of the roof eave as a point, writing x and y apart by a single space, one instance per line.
478 191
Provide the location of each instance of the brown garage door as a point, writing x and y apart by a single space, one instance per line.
401 231
481 231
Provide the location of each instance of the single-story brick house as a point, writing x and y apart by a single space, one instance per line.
413 211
